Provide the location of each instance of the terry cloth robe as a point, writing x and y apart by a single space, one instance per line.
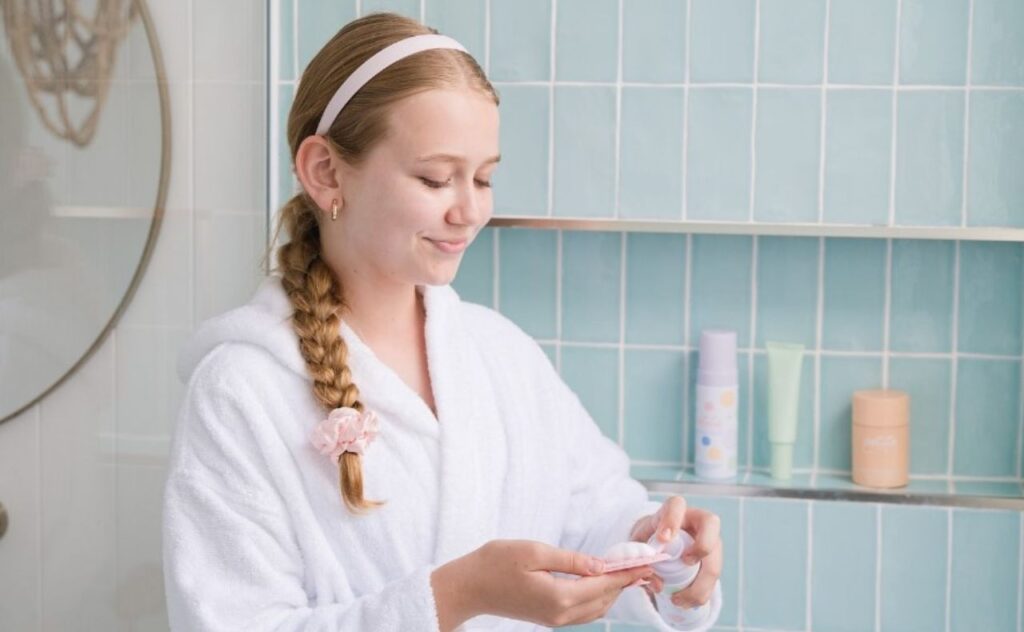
255 533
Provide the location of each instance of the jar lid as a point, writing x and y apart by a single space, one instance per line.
882 407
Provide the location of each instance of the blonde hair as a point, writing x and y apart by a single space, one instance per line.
315 293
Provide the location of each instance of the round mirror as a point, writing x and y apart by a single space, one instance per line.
84 164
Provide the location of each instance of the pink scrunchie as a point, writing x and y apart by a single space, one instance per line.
345 430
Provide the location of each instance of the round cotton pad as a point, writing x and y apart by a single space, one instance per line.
631 554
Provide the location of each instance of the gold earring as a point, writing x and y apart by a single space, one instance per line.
334 209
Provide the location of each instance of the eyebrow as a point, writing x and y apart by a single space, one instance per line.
454 158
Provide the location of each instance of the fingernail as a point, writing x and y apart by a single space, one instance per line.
596 566
666 534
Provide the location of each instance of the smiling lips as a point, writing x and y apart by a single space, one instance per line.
450 247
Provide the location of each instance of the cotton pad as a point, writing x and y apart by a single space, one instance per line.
631 554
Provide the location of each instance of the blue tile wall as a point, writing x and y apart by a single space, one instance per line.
864 112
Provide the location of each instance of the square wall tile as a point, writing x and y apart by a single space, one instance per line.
655 288
854 294
521 181
787 155
840 377
997 55
593 374
921 312
474 281
861 41
654 405
988 423
986 559
933 42
526 273
914 566
792 40
591 282
584 176
521 41
858 150
722 41
991 275
803 449
318 22
929 158
654 41
718 154
927 382
774 537
720 290
995 191
787 290
844 565
464 20
651 146
587 40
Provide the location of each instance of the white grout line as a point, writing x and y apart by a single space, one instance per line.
808 618
487 38
770 86
967 113
753 110
887 314
623 249
685 186
824 115
740 606
687 427
949 564
273 163
878 568
423 11
616 184
750 356
295 39
558 299
818 326
954 368
551 112
894 114
1020 566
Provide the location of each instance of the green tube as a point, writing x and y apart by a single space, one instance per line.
784 364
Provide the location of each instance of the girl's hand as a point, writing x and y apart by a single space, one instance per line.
513 578
705 527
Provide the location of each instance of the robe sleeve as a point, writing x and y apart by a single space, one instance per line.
231 559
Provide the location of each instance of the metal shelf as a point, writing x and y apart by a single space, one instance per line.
967 233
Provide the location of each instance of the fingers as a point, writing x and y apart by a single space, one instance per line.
670 518
549 558
706 528
591 588
699 592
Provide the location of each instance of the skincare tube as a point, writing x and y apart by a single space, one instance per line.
784 364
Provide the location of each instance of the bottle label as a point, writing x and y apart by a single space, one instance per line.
680 617
716 431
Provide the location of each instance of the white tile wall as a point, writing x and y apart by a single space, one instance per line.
82 472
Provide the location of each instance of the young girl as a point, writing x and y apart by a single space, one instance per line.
358 449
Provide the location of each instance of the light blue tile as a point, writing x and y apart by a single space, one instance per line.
933 42
286 182
722 41
788 152
914 561
995 190
464 20
593 374
728 512
408 8
654 41
986 556
840 377
319 22
787 290
654 405
587 40
861 41
475 280
521 182
718 159
655 288
526 285
551 351
521 40
854 294
744 390
775 564
990 297
286 35
987 417
843 572
858 151
591 273
650 165
720 290
584 151
792 40
988 488
997 57
803 449
929 158
927 382
922 296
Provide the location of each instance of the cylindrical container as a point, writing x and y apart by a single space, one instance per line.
717 399
881 438
676 576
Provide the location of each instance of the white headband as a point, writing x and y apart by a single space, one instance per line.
378 62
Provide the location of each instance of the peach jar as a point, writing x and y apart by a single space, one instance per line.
881 438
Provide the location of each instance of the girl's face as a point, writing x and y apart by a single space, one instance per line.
427 181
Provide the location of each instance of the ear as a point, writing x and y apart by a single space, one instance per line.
318 168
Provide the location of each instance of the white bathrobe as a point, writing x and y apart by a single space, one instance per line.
256 536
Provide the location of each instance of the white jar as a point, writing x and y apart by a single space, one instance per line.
715 430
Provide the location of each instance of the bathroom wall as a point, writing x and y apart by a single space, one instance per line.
880 112
81 473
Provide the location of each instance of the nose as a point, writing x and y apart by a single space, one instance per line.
472 204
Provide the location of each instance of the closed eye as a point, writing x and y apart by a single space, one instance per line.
434 184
